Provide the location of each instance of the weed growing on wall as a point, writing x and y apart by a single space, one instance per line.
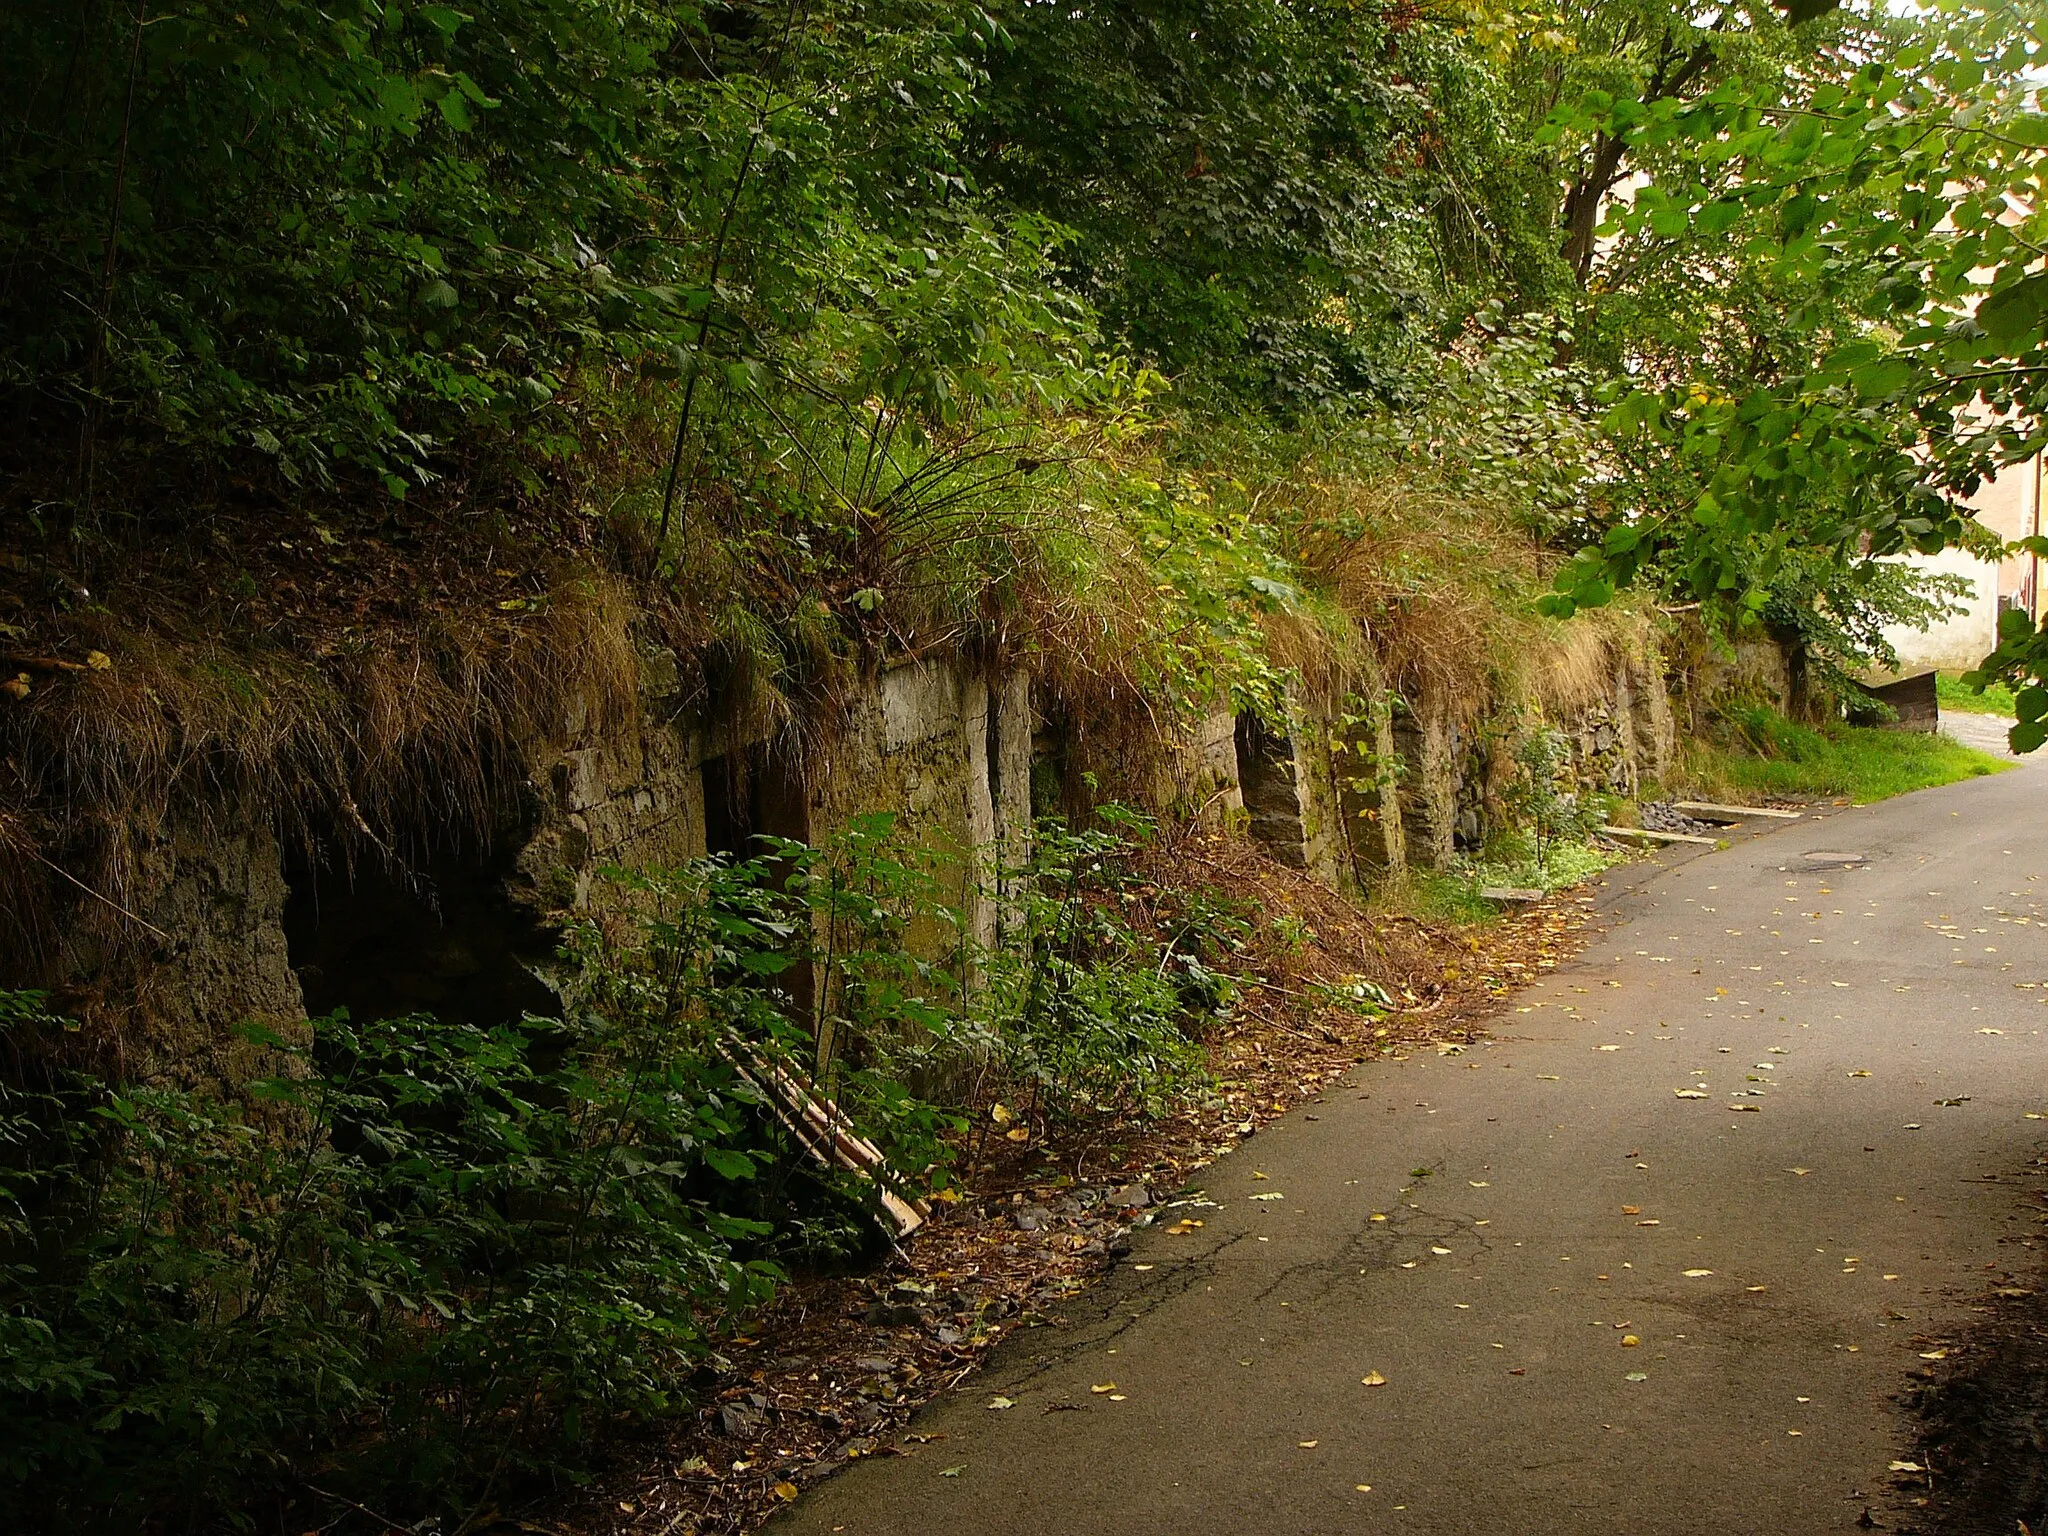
1546 809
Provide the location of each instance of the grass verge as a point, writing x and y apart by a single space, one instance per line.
1952 694
1769 757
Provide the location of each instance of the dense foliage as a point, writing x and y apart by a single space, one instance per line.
426 1261
1885 201
837 279
421 1258
1207 347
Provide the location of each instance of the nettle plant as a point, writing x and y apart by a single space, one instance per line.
1542 799
427 1258
1095 1021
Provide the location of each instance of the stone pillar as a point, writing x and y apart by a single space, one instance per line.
1289 790
1367 775
1437 782
996 726
1656 729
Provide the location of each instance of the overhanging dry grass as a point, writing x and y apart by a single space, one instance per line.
402 741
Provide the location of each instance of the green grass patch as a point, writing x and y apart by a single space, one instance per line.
1453 896
1952 694
1767 756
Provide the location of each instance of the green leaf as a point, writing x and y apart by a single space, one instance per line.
444 19
2014 312
1879 380
728 1163
1718 216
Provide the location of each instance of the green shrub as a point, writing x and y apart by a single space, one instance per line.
1091 1017
423 1258
1549 815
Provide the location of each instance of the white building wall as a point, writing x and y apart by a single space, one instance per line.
2009 506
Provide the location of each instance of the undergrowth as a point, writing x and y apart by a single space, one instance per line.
424 1263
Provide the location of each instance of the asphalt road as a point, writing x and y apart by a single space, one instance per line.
1869 1043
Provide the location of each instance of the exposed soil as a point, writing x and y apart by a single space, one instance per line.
834 1371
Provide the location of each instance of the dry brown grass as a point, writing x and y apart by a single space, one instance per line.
1437 587
1441 592
1088 627
406 741
1573 669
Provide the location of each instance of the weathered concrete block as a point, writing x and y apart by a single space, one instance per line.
1288 791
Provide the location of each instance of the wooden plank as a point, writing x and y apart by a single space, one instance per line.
1911 703
1740 812
1511 893
825 1132
1659 837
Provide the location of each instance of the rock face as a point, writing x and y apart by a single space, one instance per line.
1288 790
463 922
217 956
1420 780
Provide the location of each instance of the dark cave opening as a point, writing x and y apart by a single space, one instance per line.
440 935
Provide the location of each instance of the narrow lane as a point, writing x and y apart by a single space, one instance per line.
1487 1231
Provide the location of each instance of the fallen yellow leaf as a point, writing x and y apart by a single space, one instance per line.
1372 1379
1107 1386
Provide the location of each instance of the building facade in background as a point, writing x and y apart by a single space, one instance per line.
2009 506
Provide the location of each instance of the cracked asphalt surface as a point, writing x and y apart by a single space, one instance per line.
1870 1043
